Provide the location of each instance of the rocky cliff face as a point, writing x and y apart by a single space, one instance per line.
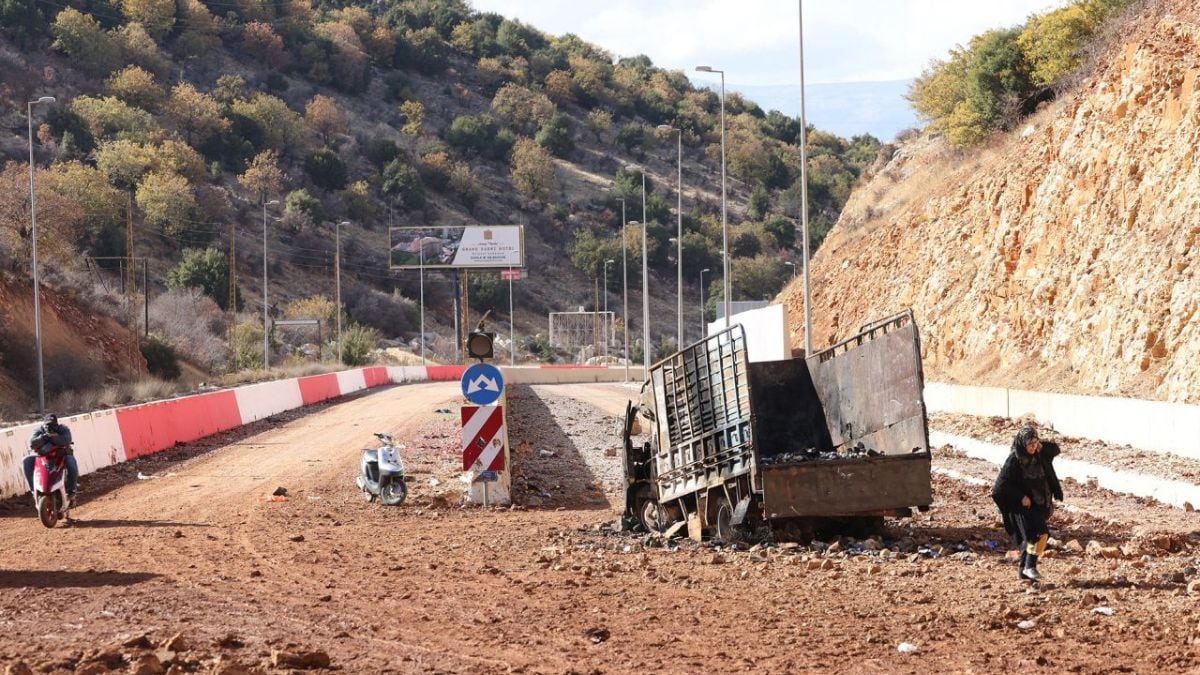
1062 258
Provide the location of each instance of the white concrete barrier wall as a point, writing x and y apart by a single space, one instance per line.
351 381
97 440
14 444
1173 492
1149 425
260 401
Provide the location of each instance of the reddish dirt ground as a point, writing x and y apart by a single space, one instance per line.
196 569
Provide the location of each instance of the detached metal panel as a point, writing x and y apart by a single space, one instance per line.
871 388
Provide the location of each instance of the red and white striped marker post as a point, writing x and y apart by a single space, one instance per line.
483 438
483 442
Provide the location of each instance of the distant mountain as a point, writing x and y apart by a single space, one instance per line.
846 109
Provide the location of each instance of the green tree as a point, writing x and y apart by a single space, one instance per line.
82 38
402 182
207 270
521 109
247 346
632 136
357 344
326 169
167 202
157 16
760 202
137 87
532 170
263 177
1052 43
299 201
557 135
125 162
758 278
414 115
783 230
195 113
110 116
281 127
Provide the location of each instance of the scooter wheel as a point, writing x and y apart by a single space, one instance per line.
393 493
47 510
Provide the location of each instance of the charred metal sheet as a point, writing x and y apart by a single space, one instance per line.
871 388
846 487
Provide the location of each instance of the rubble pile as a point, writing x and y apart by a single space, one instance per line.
856 451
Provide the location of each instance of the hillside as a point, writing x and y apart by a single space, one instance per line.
183 118
1062 255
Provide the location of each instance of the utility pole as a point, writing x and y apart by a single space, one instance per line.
337 261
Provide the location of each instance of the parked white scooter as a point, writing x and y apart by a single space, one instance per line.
381 473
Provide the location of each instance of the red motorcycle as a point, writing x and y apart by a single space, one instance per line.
50 487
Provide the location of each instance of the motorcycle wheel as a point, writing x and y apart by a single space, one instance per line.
393 492
47 507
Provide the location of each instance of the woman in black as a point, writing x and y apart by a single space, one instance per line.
1024 491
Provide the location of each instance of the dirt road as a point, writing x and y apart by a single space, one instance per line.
198 550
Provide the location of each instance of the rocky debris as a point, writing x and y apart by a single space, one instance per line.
597 635
857 451
300 660
296 538
17 668
147 664
280 492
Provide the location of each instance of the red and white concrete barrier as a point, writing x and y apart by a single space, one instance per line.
109 437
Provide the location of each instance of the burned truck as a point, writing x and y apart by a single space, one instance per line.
732 446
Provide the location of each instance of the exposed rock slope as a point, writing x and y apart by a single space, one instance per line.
1063 257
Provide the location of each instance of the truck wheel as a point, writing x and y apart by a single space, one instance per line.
651 515
726 532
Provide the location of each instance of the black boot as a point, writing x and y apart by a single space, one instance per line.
1030 570
1021 565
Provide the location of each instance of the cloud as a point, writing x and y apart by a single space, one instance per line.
756 40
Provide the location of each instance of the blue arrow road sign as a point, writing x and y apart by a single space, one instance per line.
482 384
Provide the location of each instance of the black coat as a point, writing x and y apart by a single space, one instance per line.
1010 487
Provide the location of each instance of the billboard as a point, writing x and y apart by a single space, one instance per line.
457 246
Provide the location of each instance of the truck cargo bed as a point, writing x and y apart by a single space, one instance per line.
846 487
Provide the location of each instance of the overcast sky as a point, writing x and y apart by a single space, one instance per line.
756 41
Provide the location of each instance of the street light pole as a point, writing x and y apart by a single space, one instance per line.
804 194
625 288
37 287
266 319
728 291
678 230
703 323
645 281
608 325
337 257
422 287
512 324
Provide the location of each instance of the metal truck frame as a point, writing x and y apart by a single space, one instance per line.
734 445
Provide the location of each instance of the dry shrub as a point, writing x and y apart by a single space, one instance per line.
194 324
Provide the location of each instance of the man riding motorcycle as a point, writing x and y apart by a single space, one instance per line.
47 437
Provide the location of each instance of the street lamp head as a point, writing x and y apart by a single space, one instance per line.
705 69
273 202
666 127
705 271
344 222
45 99
609 261
672 239
634 222
633 167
